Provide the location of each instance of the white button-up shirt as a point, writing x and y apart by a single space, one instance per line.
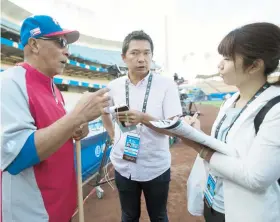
153 156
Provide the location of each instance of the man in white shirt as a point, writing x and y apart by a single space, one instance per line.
141 157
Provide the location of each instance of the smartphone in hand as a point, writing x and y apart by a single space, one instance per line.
122 109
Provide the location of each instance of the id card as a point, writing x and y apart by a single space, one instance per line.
209 192
131 148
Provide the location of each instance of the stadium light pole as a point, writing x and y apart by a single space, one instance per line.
166 63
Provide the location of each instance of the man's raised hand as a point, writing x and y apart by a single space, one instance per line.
91 105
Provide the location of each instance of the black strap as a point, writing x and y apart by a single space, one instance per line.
146 94
262 113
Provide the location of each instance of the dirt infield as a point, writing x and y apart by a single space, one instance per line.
108 208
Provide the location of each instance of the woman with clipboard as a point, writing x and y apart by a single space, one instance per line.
244 188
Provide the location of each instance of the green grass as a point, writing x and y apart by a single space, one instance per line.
213 103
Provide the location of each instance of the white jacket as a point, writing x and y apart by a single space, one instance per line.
251 191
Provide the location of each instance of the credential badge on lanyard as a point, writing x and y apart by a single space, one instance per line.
209 192
132 141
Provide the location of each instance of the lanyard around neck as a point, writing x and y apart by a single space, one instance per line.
260 91
146 94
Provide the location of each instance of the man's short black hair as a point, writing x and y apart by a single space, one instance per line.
136 35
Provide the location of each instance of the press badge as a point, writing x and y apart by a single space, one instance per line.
209 192
131 148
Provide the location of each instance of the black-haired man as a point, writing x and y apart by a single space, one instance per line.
145 165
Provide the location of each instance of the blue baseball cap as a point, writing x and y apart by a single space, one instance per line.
43 25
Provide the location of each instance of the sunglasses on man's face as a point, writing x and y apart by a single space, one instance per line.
61 41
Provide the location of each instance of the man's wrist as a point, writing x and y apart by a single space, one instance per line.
76 120
143 117
112 136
